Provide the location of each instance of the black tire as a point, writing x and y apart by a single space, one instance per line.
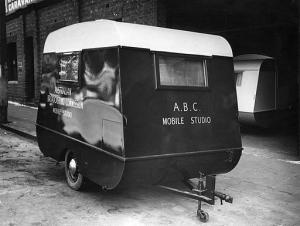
74 178
203 216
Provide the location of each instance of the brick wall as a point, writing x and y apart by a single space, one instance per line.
14 33
31 31
49 19
134 11
140 11
39 22
56 16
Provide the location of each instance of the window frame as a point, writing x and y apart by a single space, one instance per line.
71 82
81 72
159 86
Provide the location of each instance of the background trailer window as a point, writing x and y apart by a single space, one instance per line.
238 78
181 71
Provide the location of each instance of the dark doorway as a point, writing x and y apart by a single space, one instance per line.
12 72
29 77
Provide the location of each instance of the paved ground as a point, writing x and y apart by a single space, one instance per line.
265 186
21 118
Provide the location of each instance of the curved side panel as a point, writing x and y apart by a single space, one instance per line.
81 112
100 166
265 99
50 143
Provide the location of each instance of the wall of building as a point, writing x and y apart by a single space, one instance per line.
37 21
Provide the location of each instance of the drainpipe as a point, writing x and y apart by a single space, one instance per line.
3 64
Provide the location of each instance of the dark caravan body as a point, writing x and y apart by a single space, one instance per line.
138 104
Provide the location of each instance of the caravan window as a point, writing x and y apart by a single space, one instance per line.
100 68
68 65
181 71
239 78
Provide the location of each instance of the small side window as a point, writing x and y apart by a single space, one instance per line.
68 66
100 75
239 78
181 71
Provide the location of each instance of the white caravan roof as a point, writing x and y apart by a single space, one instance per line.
249 62
107 33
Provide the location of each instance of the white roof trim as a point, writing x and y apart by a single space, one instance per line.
106 33
249 62
252 57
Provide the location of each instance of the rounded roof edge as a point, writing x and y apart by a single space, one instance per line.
252 57
107 33
249 62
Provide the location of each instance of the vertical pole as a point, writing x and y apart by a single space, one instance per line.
3 65
298 73
36 54
210 188
200 188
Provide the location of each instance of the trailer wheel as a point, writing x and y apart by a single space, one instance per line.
74 178
203 216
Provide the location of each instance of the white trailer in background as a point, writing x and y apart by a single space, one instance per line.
256 86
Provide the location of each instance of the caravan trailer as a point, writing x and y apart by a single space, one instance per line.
256 86
126 104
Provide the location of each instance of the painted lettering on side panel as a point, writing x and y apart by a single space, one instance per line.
68 102
173 121
62 112
199 118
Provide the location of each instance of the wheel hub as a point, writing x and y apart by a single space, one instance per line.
73 168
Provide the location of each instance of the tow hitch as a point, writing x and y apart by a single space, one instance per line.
203 190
